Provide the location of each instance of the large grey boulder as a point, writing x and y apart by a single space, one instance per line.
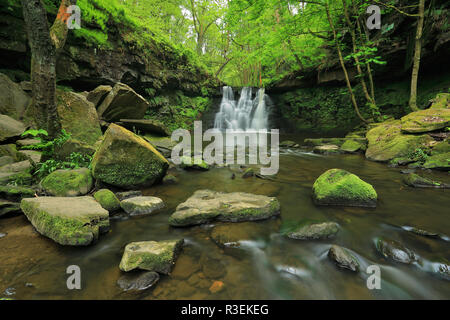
10 128
67 221
13 100
97 95
205 206
122 103
142 205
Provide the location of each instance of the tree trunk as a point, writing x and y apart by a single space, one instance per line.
417 54
45 44
341 60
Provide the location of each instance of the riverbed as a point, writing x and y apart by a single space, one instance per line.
266 265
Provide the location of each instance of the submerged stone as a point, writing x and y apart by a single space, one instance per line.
138 281
394 250
416 181
206 206
107 200
151 256
343 258
141 205
127 161
315 231
67 221
340 187
68 183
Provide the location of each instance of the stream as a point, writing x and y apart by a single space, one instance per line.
267 265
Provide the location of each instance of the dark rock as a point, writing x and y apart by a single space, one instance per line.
128 194
147 126
343 258
139 281
395 251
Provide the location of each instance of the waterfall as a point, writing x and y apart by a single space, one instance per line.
245 114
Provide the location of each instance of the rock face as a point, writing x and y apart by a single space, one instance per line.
416 181
387 142
206 206
67 221
438 161
138 282
151 256
122 102
78 117
394 250
142 205
340 187
426 120
10 128
127 161
7 207
147 126
16 193
97 95
13 100
68 183
107 200
315 231
343 258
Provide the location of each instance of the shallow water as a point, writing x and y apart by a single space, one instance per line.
266 265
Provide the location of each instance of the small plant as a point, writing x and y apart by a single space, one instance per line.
46 146
74 161
419 155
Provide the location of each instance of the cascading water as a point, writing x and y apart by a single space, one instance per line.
246 114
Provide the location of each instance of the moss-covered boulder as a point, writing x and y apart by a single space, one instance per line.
343 258
314 231
127 161
67 221
426 120
68 183
190 163
416 181
107 200
122 102
142 205
438 161
340 187
78 117
351 146
206 206
442 101
387 142
394 250
151 256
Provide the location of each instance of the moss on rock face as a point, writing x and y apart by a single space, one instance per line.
386 142
107 200
426 120
340 187
439 161
315 231
191 163
15 192
352 146
67 221
68 183
127 161
151 256
416 181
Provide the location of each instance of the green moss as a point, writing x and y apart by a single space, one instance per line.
68 183
352 146
16 192
63 231
107 200
340 187
190 163
439 161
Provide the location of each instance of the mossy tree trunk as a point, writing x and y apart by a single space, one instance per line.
45 43
417 55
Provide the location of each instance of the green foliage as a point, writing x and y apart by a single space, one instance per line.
46 146
74 161
419 155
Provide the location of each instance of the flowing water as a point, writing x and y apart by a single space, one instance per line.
266 265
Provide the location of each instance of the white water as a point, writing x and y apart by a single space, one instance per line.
245 114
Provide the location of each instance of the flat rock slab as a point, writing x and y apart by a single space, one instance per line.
315 231
142 205
151 256
67 221
206 206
